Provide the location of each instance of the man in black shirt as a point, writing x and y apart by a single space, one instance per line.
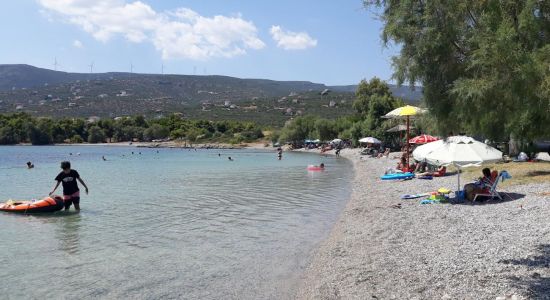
71 192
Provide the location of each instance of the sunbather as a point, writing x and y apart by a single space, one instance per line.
421 167
441 170
482 185
402 163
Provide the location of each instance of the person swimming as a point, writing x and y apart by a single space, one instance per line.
322 166
103 157
30 165
230 158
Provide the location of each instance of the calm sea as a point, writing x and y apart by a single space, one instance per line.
173 224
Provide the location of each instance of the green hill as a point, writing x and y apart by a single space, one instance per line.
43 92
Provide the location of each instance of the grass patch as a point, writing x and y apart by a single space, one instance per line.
522 173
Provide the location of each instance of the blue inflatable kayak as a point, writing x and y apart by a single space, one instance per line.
397 176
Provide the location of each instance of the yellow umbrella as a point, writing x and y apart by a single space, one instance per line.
405 111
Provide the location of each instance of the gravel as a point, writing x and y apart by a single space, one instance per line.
383 247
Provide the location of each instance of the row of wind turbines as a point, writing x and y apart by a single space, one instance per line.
56 65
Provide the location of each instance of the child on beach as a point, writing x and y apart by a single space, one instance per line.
71 192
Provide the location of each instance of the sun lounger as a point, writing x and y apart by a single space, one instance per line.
492 192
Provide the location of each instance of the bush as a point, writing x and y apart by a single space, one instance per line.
155 132
95 135
40 135
76 139
8 136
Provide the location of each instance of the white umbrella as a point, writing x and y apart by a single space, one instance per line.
461 151
336 141
370 140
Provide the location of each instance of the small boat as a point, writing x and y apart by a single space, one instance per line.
48 204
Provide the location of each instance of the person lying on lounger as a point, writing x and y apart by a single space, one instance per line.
441 170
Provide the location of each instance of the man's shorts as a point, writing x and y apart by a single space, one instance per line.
70 199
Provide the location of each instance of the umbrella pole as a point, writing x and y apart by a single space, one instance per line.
407 146
458 189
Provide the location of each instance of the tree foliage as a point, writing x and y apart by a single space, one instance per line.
96 135
373 100
484 65
22 128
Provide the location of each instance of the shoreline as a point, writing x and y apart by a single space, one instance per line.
387 248
161 145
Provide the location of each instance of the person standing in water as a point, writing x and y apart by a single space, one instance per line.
279 153
71 192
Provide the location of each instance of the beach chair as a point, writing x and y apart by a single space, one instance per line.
492 192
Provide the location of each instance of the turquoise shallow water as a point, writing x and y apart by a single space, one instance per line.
173 224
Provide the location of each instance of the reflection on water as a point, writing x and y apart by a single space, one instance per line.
67 233
173 224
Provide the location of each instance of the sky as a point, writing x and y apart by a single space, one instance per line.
335 42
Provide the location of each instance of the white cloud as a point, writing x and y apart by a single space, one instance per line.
289 40
181 33
78 44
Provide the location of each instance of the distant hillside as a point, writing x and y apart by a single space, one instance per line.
403 92
43 92
26 76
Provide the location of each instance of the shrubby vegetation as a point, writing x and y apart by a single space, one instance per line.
23 128
373 100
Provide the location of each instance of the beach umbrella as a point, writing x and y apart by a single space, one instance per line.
336 141
398 128
460 151
423 139
370 140
405 112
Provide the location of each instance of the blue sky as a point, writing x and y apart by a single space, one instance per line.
325 41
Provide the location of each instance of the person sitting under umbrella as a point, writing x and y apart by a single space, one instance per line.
481 185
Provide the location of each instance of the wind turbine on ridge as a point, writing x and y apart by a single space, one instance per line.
91 67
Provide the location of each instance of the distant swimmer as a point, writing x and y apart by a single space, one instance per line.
139 153
30 165
71 192
229 157
320 167
132 152
103 157
70 153
219 154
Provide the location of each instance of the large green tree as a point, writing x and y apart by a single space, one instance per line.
373 99
484 64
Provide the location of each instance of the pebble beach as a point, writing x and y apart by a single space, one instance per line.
383 247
